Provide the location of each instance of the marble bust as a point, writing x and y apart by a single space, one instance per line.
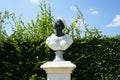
59 41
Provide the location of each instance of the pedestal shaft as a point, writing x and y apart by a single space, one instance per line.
58 77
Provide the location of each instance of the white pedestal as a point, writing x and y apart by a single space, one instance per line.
60 70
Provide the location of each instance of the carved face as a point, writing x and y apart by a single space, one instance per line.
59 25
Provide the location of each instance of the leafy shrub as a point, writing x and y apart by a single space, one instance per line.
96 59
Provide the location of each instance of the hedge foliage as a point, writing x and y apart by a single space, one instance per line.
97 57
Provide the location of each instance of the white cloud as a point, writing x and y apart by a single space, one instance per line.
93 11
115 22
35 1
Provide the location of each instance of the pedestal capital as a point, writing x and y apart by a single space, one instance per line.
60 67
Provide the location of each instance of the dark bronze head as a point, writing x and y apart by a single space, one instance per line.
59 26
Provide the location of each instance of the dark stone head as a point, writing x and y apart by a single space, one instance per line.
59 25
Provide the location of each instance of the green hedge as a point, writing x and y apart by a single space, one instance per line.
96 59
22 60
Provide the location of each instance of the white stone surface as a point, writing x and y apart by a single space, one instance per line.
58 77
59 43
59 56
58 70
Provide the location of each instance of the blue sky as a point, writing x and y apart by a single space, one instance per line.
102 14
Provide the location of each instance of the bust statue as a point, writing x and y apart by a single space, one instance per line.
59 41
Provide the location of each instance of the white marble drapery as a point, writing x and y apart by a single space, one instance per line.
59 43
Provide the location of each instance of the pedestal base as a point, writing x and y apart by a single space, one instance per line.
58 70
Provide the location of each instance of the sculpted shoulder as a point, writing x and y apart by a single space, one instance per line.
59 43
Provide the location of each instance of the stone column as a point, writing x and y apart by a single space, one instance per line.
60 70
